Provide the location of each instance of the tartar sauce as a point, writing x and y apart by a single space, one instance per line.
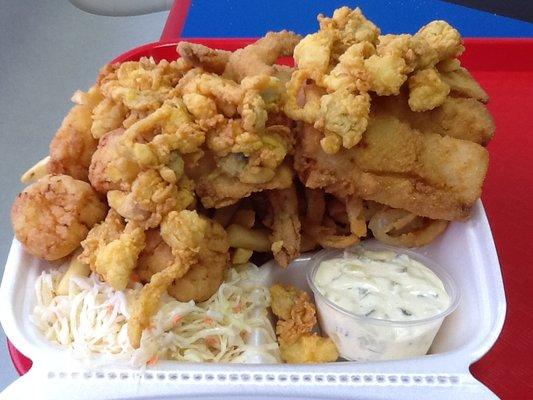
382 285
393 291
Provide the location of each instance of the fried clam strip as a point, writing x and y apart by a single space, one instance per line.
427 174
111 249
286 225
461 118
73 145
199 248
402 228
324 230
296 319
210 60
258 58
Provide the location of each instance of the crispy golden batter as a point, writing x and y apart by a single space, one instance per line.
53 215
112 248
461 118
297 318
207 272
429 175
309 349
72 147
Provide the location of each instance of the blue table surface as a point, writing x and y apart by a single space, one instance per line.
227 18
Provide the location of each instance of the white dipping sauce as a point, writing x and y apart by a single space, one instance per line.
390 292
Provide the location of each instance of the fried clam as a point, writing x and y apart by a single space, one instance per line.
196 244
198 55
53 215
141 85
112 248
151 197
73 145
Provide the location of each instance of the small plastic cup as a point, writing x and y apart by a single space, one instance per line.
360 338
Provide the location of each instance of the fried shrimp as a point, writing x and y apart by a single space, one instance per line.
52 216
196 243
210 241
73 145
204 276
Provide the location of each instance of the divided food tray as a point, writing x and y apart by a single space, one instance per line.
466 250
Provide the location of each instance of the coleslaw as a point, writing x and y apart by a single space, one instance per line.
91 321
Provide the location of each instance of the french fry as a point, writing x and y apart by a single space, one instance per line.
251 239
245 217
75 268
36 172
223 215
241 256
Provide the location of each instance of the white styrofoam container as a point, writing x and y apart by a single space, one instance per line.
466 250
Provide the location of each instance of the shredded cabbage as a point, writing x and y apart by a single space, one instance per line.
91 320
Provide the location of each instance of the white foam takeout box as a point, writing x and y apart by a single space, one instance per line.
466 250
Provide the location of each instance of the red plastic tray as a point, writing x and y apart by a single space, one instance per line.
504 67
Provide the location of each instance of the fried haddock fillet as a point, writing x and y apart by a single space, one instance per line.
427 174
458 117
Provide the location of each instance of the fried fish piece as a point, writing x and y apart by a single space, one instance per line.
461 118
427 174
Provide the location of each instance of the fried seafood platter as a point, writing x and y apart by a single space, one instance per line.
166 179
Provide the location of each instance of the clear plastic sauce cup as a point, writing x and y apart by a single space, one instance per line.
361 338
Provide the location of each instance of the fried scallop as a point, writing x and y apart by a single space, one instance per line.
52 216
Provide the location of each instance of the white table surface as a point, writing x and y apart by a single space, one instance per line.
48 49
